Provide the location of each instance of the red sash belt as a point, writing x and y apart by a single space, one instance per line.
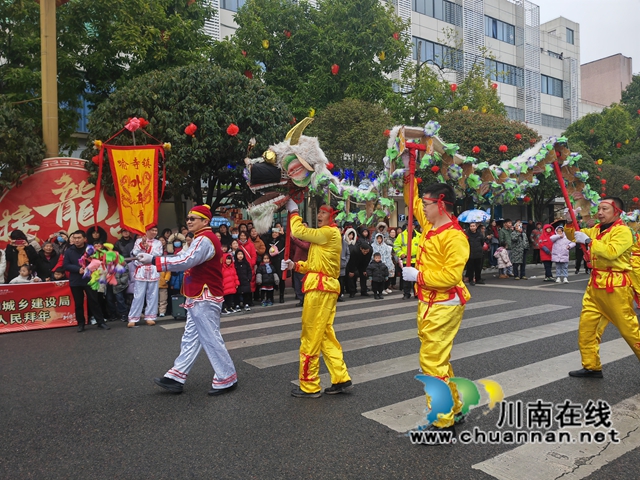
457 290
321 277
609 280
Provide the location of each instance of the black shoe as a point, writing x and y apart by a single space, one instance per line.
365 295
577 272
339 388
300 304
480 282
406 297
340 299
351 295
104 326
80 328
298 393
221 391
583 372
169 384
472 283
281 299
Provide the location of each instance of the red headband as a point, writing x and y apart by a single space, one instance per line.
329 210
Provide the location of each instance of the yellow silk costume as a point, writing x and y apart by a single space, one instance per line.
609 294
321 288
441 257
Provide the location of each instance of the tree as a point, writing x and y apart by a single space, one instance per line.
101 45
21 146
351 135
313 57
209 165
631 97
609 135
617 178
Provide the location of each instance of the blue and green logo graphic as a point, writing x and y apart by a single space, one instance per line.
442 399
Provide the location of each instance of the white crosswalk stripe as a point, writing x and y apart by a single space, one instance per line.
365 342
403 416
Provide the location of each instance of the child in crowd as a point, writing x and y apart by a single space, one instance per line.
59 275
24 275
230 285
233 248
502 254
378 272
163 241
560 254
188 238
267 280
245 272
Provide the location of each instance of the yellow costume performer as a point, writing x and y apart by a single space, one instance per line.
321 288
440 260
609 295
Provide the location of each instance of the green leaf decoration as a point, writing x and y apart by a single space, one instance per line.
341 216
425 162
362 216
548 170
473 181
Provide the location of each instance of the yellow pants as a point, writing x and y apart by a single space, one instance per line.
436 332
318 336
598 309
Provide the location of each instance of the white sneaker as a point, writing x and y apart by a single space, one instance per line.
558 280
566 280
384 292
388 290
247 308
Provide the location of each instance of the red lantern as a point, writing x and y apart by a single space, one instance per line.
454 87
603 181
494 86
626 187
618 145
287 33
248 73
602 195
592 131
330 166
233 129
96 159
143 122
335 68
532 141
191 130
396 36
419 180
435 169
526 199
599 169
638 112
518 136
637 177
387 133
503 148
293 121
636 199
476 150
244 53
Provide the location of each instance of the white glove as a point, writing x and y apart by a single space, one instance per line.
292 206
144 258
410 274
582 238
287 265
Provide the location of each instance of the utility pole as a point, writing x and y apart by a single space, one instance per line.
49 67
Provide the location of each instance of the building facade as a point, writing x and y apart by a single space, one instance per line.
602 81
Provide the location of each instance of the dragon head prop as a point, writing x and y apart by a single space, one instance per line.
285 170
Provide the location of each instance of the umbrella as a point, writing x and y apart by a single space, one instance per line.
476 216
217 221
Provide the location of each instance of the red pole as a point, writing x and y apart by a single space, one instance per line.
412 176
287 245
565 194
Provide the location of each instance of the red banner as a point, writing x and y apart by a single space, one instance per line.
57 196
34 306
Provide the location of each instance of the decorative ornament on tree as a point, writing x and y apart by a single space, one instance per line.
465 108
602 195
387 133
518 136
382 56
494 86
143 122
293 121
625 187
475 150
636 199
503 148
637 178
592 131
244 53
436 110
396 36
484 110
191 130
603 181
599 161
287 33
248 74
526 199
233 129
626 142
532 141
335 68
618 145
454 87
329 166
435 169
419 180
265 44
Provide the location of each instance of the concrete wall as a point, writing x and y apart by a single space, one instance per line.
604 80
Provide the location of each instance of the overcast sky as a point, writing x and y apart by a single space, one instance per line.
607 27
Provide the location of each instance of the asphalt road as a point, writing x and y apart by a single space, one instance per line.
84 405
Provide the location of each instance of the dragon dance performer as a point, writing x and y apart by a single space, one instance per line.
609 295
321 288
442 255
202 285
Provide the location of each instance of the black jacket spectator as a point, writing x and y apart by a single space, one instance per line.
13 251
243 269
46 266
377 271
476 241
70 264
359 261
124 246
96 234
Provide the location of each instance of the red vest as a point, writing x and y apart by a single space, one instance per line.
207 274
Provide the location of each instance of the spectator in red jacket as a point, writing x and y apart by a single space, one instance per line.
546 245
230 283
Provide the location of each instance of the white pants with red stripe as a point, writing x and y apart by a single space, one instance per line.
142 290
202 330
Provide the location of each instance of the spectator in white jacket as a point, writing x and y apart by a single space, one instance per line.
379 246
560 254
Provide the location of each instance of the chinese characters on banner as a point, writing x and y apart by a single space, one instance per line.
135 179
57 196
34 306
